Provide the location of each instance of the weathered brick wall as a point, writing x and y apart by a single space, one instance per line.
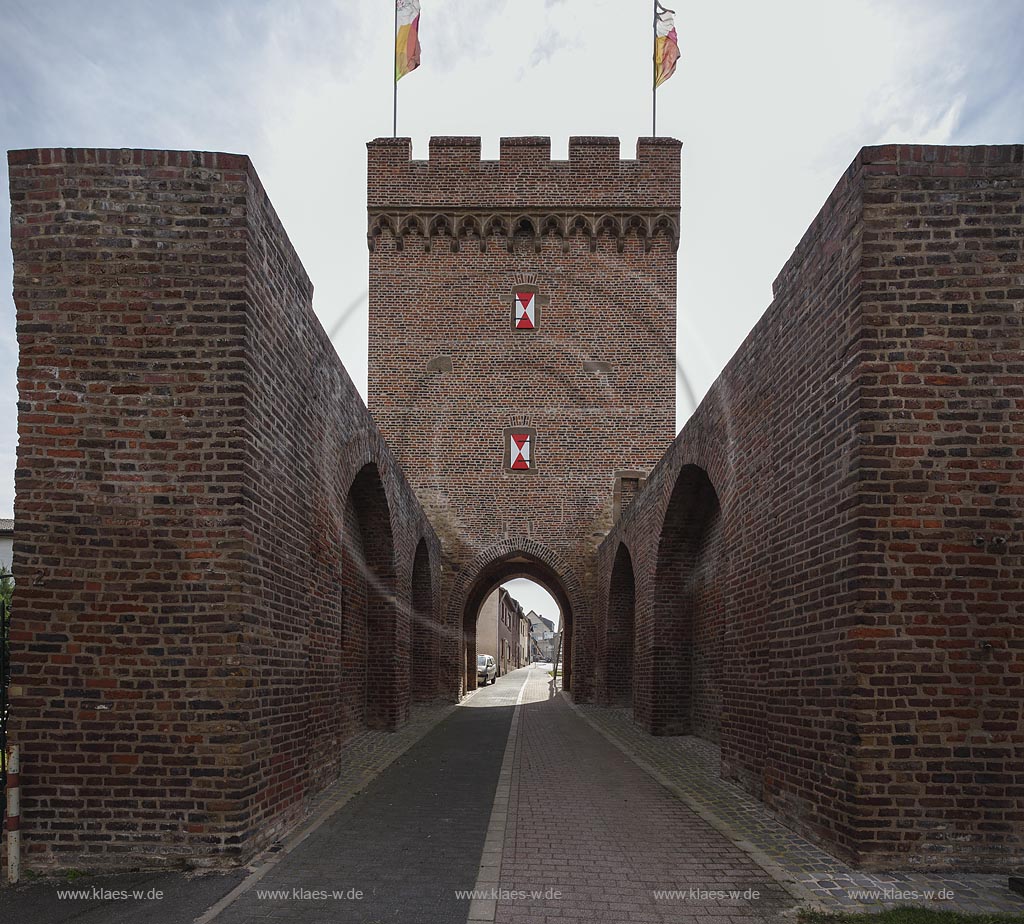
223 573
846 621
336 531
193 508
938 654
451 238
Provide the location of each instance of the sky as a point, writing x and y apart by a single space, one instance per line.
771 100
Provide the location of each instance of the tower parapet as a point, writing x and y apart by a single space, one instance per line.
456 193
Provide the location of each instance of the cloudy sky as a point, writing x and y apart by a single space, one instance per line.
771 100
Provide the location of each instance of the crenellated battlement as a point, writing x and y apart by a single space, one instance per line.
524 195
524 177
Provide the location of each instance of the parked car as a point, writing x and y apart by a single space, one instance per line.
486 670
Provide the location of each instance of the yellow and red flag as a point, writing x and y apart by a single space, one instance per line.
666 44
407 38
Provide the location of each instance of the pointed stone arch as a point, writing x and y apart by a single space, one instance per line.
620 632
512 558
377 226
471 227
525 228
612 226
687 553
666 226
583 224
496 225
639 225
440 226
411 225
554 226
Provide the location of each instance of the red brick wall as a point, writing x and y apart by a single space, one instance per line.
938 652
451 237
219 559
850 627
200 499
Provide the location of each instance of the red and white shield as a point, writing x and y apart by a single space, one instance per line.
520 451
526 310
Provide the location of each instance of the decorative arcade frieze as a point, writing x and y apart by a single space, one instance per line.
526 230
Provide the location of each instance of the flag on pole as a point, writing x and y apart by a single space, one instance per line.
407 39
666 44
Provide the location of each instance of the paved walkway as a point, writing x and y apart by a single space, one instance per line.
509 816
688 766
592 837
516 807
403 848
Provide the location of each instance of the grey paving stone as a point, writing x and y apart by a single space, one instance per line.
691 764
408 840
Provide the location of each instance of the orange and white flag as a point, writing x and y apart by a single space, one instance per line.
407 37
666 44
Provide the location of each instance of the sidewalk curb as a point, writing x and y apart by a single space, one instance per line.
795 889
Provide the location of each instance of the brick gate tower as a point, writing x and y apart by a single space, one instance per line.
522 353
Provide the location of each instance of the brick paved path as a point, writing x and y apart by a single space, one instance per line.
588 823
555 810
690 767
549 817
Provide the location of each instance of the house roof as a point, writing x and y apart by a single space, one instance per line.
513 603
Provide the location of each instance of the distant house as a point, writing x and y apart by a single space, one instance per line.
502 631
542 637
6 543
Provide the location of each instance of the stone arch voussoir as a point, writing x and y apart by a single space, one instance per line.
506 548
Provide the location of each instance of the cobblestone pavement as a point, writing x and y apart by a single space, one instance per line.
590 836
689 766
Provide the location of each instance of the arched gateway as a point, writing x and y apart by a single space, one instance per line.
504 562
240 556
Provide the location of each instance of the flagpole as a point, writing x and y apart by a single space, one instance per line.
654 76
394 77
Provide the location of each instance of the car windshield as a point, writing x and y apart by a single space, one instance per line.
481 660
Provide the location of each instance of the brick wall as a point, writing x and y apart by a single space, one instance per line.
223 573
938 653
212 538
451 237
840 612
